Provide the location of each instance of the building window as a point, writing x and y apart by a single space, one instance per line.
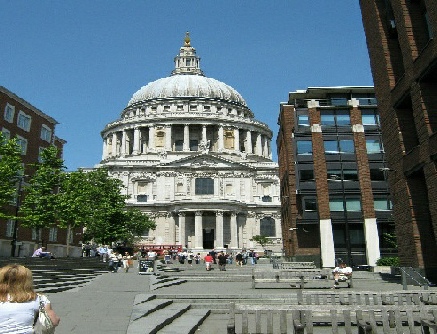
266 198
204 186
340 117
6 134
267 227
179 145
142 198
53 234
40 150
347 204
370 117
377 174
345 175
23 121
342 146
382 204
306 175
310 204
22 143
10 226
194 145
46 133
303 120
9 113
304 147
374 146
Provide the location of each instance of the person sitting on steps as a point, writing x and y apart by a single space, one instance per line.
341 273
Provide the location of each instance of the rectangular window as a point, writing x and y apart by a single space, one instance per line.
6 134
373 146
331 146
178 145
22 143
327 118
23 121
346 146
194 145
204 186
36 234
353 204
10 226
142 198
370 117
336 204
377 174
303 120
9 113
46 133
382 204
350 174
306 175
310 204
304 147
53 234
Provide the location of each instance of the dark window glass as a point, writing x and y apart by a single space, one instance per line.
376 174
306 175
179 145
194 145
310 204
204 186
267 227
266 198
141 198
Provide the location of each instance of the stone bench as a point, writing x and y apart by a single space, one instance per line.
294 265
296 278
341 319
397 298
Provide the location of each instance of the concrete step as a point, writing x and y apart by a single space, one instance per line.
187 322
155 321
144 309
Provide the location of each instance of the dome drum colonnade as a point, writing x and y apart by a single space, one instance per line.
177 130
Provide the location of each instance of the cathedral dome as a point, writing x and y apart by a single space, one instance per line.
187 80
184 85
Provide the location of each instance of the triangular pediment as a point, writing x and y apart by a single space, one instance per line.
205 161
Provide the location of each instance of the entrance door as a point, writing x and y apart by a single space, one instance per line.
208 238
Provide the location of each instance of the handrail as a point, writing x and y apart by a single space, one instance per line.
414 275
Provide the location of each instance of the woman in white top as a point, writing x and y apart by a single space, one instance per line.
19 303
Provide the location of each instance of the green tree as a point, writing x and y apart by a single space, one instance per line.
262 240
40 204
108 219
11 171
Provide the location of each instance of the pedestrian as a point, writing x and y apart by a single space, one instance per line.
19 303
126 259
341 273
197 258
190 257
208 261
103 252
113 262
239 259
222 261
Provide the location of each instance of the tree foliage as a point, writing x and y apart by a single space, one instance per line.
39 208
262 240
11 171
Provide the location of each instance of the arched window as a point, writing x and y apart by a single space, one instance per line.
267 227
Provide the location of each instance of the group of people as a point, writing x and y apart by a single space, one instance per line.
117 260
43 253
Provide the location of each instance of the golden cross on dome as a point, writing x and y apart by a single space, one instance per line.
187 38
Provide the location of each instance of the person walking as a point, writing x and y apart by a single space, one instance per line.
239 259
19 303
208 261
126 259
222 261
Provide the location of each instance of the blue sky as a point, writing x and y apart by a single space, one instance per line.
81 61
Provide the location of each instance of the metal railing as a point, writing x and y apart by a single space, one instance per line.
413 275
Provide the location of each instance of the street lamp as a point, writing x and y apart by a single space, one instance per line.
17 208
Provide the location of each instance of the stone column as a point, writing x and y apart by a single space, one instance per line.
237 140
137 141
220 138
249 142
372 241
114 144
168 138
198 230
219 229
186 145
123 143
266 147
152 138
204 133
258 145
327 243
182 229
104 153
234 230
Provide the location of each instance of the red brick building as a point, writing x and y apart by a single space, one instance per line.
335 198
34 131
403 55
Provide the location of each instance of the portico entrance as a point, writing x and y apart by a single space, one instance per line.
208 238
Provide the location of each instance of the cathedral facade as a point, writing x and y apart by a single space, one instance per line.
193 157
